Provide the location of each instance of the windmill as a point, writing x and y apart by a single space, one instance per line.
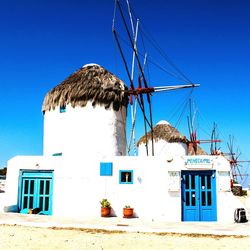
141 94
214 150
194 143
236 164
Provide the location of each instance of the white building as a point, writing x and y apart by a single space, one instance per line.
167 142
86 114
84 161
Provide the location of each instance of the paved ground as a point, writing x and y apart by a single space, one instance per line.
129 225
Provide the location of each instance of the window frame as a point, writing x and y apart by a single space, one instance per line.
126 182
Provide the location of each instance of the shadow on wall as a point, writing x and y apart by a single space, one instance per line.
11 209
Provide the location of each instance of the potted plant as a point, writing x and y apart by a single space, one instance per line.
105 208
128 212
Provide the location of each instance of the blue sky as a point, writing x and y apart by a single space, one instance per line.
42 42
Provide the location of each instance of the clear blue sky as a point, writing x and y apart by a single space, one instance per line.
44 41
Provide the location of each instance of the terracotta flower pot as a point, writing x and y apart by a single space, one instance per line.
105 211
128 212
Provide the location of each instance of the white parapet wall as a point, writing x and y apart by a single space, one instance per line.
87 130
18 163
154 192
78 186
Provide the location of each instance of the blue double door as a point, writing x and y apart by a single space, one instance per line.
35 191
198 195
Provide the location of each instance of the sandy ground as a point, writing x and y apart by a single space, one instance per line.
19 237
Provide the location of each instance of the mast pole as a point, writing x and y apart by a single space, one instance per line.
141 103
133 106
142 73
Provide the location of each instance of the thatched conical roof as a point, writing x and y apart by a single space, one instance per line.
199 151
164 131
90 83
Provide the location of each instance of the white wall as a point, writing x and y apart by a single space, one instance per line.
148 195
163 148
13 170
78 186
78 192
226 205
226 201
85 131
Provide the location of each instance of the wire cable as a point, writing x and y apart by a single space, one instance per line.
159 66
160 51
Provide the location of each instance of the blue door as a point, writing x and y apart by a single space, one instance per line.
198 195
35 191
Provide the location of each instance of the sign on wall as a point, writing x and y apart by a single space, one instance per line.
174 180
199 163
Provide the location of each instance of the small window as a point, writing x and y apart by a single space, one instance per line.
106 169
62 108
126 177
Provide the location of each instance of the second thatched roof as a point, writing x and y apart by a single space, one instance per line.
164 131
90 83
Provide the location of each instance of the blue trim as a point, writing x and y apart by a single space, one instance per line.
41 193
106 168
122 177
199 195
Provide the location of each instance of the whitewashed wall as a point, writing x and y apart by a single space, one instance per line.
85 131
148 195
26 163
163 148
78 186
226 201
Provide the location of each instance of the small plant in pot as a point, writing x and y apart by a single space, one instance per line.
105 208
128 212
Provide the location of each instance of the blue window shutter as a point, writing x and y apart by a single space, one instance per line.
106 168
